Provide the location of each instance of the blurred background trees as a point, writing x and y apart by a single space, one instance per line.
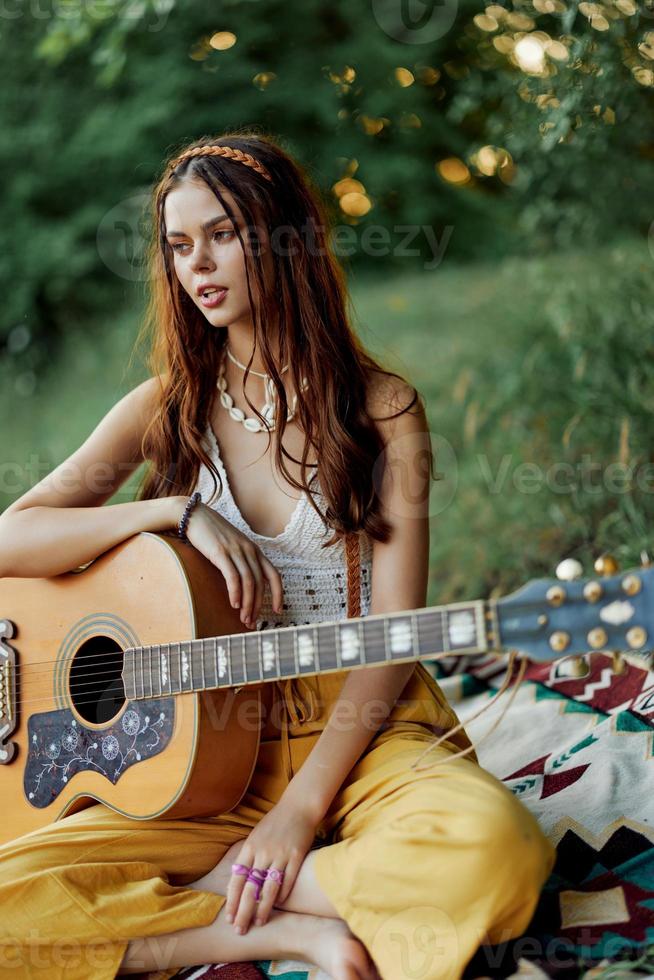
513 142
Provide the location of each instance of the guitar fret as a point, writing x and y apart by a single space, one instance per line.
337 637
263 659
229 653
177 662
276 644
430 631
327 652
151 694
415 643
252 672
141 668
445 631
203 650
172 662
316 648
374 647
191 658
285 653
196 664
153 670
295 652
255 653
180 665
188 664
185 667
127 673
387 645
278 664
237 664
259 654
213 654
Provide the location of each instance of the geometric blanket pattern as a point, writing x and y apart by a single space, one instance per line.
579 753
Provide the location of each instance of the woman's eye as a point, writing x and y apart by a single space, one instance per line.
177 246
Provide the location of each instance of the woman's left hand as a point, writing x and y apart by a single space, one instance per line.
280 840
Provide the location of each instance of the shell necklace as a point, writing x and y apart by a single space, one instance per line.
269 406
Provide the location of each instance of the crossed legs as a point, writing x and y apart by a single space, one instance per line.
305 927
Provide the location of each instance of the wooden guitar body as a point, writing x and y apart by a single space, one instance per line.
68 735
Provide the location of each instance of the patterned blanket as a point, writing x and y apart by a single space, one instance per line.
579 753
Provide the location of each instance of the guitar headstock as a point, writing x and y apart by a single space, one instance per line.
548 619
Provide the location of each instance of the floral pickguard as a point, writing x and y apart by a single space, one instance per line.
60 747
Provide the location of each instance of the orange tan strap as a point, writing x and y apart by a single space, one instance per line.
353 561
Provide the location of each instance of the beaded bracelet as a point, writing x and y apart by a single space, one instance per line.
190 504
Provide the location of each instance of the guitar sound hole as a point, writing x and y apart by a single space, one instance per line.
96 684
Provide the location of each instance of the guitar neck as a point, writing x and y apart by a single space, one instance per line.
298 651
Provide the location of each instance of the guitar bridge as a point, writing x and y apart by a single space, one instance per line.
7 691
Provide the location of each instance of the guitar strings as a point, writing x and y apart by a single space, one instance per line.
104 687
423 615
98 658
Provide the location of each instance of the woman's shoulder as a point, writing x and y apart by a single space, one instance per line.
394 405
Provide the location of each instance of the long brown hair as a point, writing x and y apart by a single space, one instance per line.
308 294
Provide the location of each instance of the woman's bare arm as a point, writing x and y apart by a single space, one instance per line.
59 523
400 570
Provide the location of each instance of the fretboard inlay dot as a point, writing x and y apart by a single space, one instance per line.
222 661
461 628
268 651
399 633
305 649
349 643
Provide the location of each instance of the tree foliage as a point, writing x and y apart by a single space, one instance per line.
458 132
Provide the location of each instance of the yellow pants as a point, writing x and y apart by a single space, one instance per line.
424 866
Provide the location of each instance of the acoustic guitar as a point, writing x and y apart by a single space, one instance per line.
131 681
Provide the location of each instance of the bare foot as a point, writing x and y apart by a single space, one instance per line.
337 951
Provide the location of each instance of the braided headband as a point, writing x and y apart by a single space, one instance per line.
230 152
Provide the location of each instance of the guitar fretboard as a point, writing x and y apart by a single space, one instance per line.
293 651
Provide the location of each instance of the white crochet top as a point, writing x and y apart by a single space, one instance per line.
314 578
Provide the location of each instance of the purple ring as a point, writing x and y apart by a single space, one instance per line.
276 875
240 869
257 876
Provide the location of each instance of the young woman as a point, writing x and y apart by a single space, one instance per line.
263 401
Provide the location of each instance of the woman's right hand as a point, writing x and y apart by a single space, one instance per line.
245 567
